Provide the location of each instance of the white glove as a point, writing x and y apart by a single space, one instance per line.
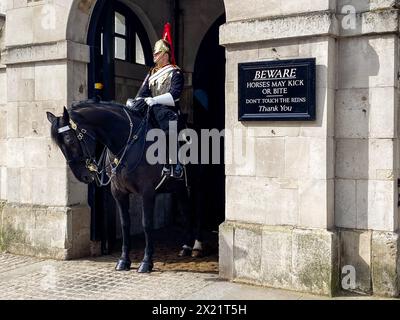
165 99
150 101
130 102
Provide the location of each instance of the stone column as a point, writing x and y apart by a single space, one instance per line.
317 197
280 204
45 213
366 131
3 106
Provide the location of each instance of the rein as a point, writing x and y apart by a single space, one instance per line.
99 168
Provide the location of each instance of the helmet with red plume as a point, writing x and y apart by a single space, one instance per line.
165 44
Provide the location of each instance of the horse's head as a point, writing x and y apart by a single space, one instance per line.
77 145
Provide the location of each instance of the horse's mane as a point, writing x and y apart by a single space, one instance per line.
73 111
89 103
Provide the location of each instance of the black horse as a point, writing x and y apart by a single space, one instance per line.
123 133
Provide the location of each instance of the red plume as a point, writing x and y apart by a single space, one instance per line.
168 37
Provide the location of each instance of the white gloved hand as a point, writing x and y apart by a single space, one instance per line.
150 101
165 99
130 102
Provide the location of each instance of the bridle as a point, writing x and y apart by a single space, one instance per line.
98 168
80 134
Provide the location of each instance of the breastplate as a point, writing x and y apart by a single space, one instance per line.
161 84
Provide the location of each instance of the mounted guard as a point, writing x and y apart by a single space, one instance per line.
161 90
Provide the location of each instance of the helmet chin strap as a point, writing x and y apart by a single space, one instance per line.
159 58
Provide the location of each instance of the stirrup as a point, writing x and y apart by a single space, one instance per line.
166 171
177 171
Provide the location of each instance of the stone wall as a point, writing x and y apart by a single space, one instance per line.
366 134
280 257
3 103
45 210
330 180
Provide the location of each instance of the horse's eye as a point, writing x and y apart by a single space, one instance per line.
67 139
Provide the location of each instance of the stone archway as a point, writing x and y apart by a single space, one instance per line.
40 199
80 14
76 17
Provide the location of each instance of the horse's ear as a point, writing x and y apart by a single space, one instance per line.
66 115
51 117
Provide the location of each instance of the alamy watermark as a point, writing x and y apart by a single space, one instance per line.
49 16
49 281
206 147
349 21
349 277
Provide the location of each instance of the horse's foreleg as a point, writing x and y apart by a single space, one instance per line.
124 263
147 220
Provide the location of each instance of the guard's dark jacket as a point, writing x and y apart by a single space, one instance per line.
167 79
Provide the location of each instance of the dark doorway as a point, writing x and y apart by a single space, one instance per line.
120 56
209 113
120 49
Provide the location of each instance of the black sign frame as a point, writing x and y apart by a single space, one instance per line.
309 113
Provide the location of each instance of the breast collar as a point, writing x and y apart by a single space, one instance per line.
161 72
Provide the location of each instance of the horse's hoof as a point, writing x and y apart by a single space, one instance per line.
185 252
145 267
123 265
197 253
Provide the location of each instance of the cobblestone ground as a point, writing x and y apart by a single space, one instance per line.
30 278
24 278
173 278
94 278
